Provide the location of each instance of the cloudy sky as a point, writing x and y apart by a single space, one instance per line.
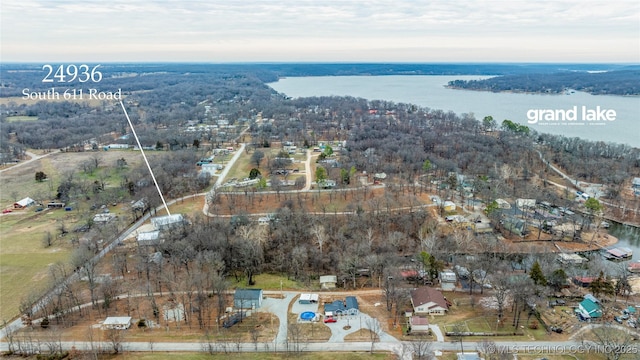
320 30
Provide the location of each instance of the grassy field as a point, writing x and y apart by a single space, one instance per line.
480 319
23 259
270 281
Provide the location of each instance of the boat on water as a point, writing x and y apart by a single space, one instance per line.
634 267
617 254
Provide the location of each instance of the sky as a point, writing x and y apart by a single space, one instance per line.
319 31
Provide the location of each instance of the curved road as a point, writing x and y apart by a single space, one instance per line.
33 156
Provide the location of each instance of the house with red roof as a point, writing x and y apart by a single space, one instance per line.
428 301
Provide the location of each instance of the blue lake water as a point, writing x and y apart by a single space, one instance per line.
430 91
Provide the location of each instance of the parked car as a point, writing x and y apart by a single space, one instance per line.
624 317
556 329
631 323
330 319
6 211
617 319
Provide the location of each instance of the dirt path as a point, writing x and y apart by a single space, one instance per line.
33 158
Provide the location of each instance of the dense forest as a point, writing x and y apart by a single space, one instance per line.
621 82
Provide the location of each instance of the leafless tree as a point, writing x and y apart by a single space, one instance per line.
255 336
94 346
422 348
375 330
208 343
296 342
82 260
52 341
10 332
320 234
614 341
501 291
491 351
115 338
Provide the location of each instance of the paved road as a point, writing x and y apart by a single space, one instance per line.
400 348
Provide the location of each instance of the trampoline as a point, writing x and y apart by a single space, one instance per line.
308 315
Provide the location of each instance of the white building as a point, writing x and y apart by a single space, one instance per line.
23 203
308 299
117 323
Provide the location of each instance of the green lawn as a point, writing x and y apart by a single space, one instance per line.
23 259
270 282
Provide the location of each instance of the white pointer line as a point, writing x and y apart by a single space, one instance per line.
133 131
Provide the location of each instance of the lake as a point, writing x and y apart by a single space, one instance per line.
429 91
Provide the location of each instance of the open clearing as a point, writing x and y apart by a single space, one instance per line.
23 258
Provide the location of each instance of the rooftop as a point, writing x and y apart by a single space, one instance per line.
425 295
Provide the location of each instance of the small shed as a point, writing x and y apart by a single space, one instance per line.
328 281
23 203
247 298
308 299
117 323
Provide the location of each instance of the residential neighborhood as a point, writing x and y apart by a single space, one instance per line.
245 223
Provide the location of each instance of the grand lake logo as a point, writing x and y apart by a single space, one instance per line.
572 116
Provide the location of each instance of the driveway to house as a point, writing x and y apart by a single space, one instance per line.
307 172
356 322
280 308
437 332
